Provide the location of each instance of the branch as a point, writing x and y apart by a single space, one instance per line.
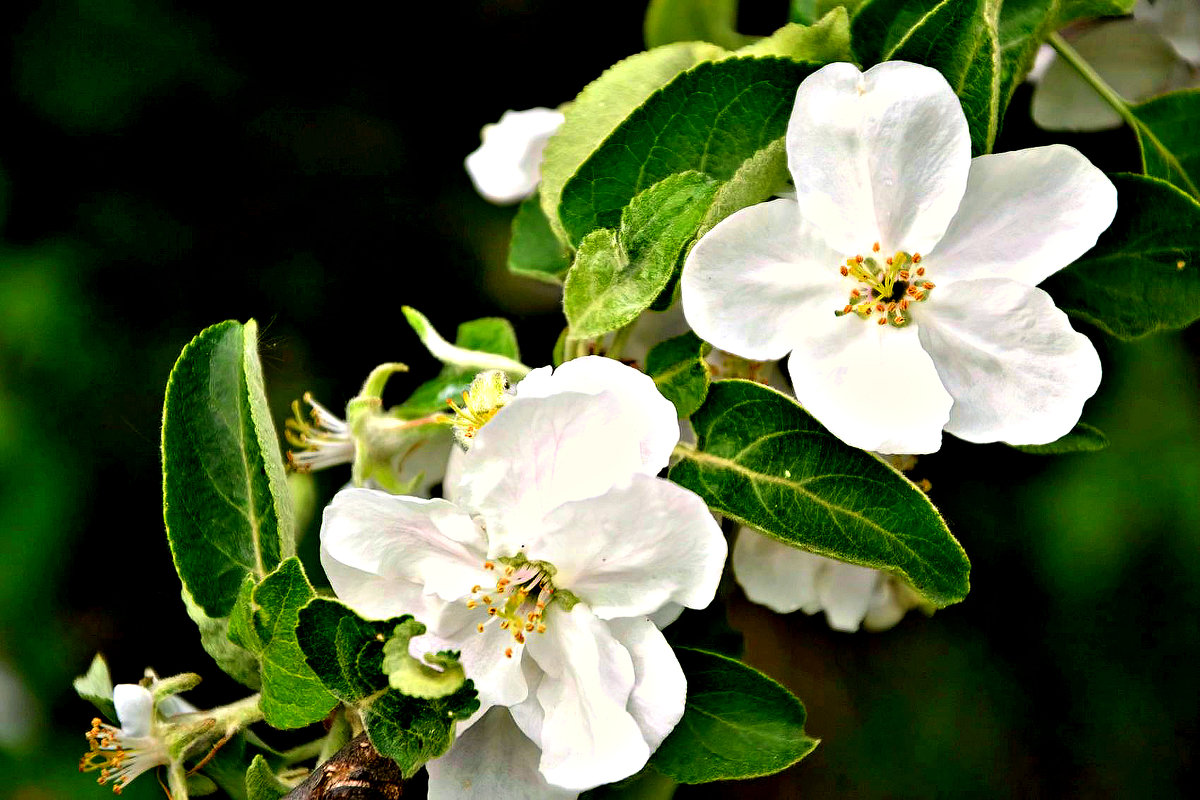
356 772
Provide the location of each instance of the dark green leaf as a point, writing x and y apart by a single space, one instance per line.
1143 275
617 275
262 783
535 251
762 460
680 372
1168 137
710 119
713 21
264 622
649 784
737 723
97 687
487 335
1083 438
225 496
346 652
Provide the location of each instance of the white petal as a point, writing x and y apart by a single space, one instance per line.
588 736
492 760
1026 214
845 592
426 542
666 615
872 386
771 573
753 284
1016 369
879 156
660 690
507 166
378 597
135 709
885 609
635 548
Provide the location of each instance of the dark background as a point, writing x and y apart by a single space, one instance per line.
164 167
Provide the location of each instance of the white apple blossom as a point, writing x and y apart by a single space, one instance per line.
882 166
507 166
560 544
122 753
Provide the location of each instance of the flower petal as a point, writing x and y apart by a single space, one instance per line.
492 760
754 282
1017 370
879 156
1025 215
498 678
135 709
660 689
845 592
507 166
634 549
872 386
588 736
772 574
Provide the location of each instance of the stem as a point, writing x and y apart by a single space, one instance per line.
619 340
357 770
1093 79
304 752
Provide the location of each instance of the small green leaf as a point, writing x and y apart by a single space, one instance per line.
225 498
346 653
408 675
762 460
680 372
713 21
710 119
490 335
1083 438
97 687
737 723
1143 275
237 662
823 42
472 356
1167 135
264 622
616 276
262 783
535 251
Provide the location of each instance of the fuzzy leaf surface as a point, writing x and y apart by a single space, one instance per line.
1167 136
680 372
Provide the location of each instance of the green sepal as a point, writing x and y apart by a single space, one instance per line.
235 661
737 724
199 785
680 372
96 687
442 676
1083 438
262 783
763 461
346 653
535 251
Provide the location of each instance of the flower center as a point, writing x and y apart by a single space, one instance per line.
487 394
518 603
120 761
886 291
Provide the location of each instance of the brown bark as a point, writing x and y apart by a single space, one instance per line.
356 772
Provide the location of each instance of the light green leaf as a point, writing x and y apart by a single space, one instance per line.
762 460
346 652
602 106
237 662
264 622
1083 438
1143 275
466 357
97 687
492 335
680 372
442 674
1168 138
535 251
737 723
225 496
758 179
262 783
617 275
715 21
710 119
824 41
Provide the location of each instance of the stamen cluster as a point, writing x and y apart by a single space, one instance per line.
888 289
515 605
487 394
120 758
325 441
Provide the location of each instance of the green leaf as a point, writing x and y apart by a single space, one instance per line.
649 784
617 275
1071 10
762 460
1143 275
237 662
346 653
958 38
737 723
474 354
710 119
262 783
1083 438
680 372
97 687
825 41
715 21
759 178
225 496
535 251
1167 136
264 622
602 106
414 678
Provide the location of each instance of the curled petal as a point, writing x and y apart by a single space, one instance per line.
660 688
507 166
135 709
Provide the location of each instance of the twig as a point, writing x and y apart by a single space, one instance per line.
356 772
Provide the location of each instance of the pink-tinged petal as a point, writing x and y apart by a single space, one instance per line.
1017 370
872 386
135 709
634 549
507 166
660 689
878 156
772 574
589 737
492 760
754 283
1025 215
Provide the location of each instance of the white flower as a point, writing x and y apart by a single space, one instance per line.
123 753
560 544
507 166
888 201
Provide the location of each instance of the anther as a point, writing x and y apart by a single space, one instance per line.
541 628
509 570
928 285
528 626
920 271
475 589
486 598
858 259
846 310
889 261
916 258
520 637
504 625
479 627
875 247
883 320
845 272
471 604
879 306
855 294
492 611
508 652
488 565
902 275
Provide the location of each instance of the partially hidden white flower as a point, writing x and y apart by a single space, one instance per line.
560 544
122 753
888 202
507 166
